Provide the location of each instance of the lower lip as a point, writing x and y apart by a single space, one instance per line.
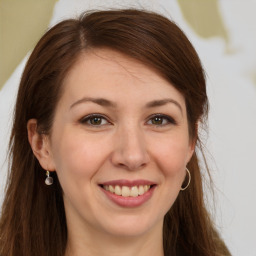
129 201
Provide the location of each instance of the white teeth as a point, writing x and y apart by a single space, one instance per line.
141 190
146 188
111 189
118 191
134 191
126 191
106 188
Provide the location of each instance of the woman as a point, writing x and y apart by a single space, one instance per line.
104 143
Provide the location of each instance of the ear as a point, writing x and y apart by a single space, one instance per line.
40 145
191 151
192 143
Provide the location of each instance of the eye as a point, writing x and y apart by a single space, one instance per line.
94 120
160 119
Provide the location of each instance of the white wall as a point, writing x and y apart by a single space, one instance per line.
231 73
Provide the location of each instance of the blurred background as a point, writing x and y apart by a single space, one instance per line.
224 35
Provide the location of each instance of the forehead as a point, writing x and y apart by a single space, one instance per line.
108 73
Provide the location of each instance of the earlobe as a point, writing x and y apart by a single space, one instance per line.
40 145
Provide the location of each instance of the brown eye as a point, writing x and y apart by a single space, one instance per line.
161 120
94 120
157 120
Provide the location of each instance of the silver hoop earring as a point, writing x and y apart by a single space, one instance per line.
48 180
189 179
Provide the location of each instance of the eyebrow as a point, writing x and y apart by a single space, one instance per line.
159 103
107 103
100 101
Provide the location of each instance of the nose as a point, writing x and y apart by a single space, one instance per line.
130 149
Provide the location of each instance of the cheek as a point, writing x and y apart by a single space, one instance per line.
76 157
171 156
171 162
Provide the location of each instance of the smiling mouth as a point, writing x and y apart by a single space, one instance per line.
126 191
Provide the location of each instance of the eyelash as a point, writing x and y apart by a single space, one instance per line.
169 119
87 120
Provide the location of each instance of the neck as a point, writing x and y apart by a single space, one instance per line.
89 242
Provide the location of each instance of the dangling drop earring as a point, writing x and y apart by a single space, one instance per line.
48 180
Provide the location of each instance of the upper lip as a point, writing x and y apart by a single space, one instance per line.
128 183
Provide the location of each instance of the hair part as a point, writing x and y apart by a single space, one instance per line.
33 216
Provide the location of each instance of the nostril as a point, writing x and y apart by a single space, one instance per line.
130 151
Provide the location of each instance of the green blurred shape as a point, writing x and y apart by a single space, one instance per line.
204 17
22 23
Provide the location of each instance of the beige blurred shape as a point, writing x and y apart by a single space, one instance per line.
204 17
22 23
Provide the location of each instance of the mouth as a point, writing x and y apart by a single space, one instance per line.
128 191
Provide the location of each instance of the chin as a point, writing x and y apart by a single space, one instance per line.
132 226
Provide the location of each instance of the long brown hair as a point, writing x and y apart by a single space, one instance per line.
33 216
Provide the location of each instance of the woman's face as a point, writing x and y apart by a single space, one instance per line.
119 145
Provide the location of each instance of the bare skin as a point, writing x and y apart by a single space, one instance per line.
117 121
